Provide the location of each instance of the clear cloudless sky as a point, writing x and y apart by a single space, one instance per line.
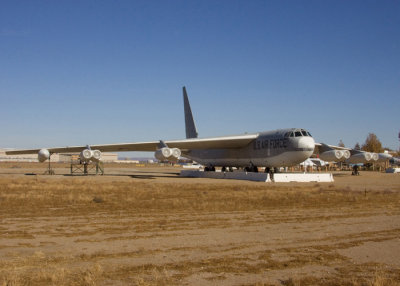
98 72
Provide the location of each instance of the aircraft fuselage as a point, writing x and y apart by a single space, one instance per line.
283 147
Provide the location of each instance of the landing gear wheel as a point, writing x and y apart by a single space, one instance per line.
209 169
252 169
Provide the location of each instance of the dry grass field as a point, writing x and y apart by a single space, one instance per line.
146 226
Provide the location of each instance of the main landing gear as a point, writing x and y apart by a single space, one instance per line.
226 169
248 169
209 169
252 169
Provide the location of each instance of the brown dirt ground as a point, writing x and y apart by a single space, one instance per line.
147 226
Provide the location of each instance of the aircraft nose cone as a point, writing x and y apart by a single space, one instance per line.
306 143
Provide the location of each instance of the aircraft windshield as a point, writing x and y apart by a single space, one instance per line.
300 133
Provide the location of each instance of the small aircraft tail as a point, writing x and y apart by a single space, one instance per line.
191 131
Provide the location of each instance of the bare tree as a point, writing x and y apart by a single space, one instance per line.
357 146
341 144
372 144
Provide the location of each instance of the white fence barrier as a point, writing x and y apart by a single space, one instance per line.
260 177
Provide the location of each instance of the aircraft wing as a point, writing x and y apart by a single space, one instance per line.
185 144
354 156
319 147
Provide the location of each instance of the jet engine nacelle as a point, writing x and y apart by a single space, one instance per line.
394 161
363 157
90 155
163 154
170 154
374 157
43 155
331 155
96 157
383 157
176 153
86 155
346 154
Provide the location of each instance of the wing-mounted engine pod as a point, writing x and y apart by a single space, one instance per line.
346 154
86 155
362 157
163 154
170 154
367 156
384 157
332 155
176 153
43 155
96 155
374 157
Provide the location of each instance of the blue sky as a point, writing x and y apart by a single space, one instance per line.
94 72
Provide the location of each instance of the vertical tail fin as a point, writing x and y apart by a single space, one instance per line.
191 131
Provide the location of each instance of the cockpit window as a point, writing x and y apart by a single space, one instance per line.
309 134
298 134
304 133
286 134
291 134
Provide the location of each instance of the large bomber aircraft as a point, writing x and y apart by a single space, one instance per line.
277 148
270 149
